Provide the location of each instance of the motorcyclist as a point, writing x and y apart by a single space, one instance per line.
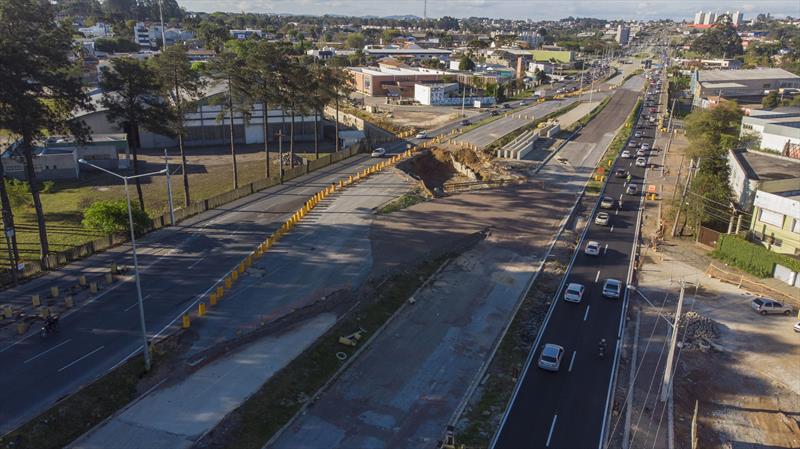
50 324
601 346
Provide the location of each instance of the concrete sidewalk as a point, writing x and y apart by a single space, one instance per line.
177 416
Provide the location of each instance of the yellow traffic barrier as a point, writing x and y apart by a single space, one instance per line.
21 327
93 287
228 282
8 311
68 302
234 276
185 321
35 301
109 278
54 291
220 292
114 268
201 309
82 280
242 267
43 312
212 299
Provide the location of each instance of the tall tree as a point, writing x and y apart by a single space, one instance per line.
41 86
131 94
228 68
322 94
182 86
340 82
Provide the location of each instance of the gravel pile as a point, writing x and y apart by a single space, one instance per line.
699 330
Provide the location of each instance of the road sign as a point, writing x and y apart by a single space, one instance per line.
652 188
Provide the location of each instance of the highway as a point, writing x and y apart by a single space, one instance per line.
568 408
177 265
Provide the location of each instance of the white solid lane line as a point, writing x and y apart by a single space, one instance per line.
45 352
571 362
136 303
586 315
196 262
552 427
78 360
597 276
612 229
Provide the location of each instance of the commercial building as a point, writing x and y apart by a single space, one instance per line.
57 158
739 84
392 81
777 130
99 29
623 35
245 34
756 170
447 94
148 35
776 222
409 52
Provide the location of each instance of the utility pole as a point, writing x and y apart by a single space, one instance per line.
280 134
666 386
683 199
463 98
169 190
163 34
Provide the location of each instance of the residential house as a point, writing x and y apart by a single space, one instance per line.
776 221
777 130
757 170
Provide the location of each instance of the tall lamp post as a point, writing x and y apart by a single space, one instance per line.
133 248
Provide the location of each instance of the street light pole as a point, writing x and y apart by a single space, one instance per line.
169 190
133 250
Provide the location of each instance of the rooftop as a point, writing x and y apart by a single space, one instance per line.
406 51
767 167
396 71
743 75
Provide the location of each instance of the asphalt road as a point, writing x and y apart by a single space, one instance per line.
177 266
567 409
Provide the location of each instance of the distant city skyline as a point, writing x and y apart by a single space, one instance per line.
506 9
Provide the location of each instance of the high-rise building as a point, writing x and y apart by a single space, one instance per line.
699 18
623 34
710 19
737 18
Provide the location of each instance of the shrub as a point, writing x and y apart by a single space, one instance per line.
47 187
750 257
112 217
19 193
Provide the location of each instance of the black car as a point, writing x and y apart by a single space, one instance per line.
464 122
507 106
493 113
620 173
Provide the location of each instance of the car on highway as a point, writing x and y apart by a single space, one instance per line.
621 172
574 292
550 358
625 154
607 202
422 135
592 248
641 162
493 113
506 106
640 152
638 134
602 219
632 144
464 122
378 152
612 288
631 189
766 306
645 146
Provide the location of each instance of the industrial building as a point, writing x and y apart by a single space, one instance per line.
756 170
709 86
777 130
57 158
393 81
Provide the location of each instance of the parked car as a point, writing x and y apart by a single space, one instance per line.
602 219
796 326
641 162
422 135
592 248
645 146
631 189
378 152
612 288
607 202
766 306
550 358
625 154
574 292
632 144
638 134
640 152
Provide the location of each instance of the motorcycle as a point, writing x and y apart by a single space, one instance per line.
50 325
601 348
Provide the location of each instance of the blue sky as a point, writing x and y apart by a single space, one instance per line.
517 9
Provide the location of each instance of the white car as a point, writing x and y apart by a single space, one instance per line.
631 189
625 154
607 202
641 162
612 288
602 219
632 144
637 134
550 358
640 152
766 306
592 248
574 292
379 152
422 135
645 146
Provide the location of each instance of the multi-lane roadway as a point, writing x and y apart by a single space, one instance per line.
569 408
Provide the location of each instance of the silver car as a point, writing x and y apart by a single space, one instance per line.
602 219
766 306
550 358
612 288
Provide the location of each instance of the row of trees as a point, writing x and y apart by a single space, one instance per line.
42 90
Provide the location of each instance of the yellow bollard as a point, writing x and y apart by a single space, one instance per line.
241 268
212 299
350 179
54 292
21 327
234 276
68 302
186 322
228 282
8 311
109 278
82 280
43 312
35 301
220 292
114 267
201 309
93 287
